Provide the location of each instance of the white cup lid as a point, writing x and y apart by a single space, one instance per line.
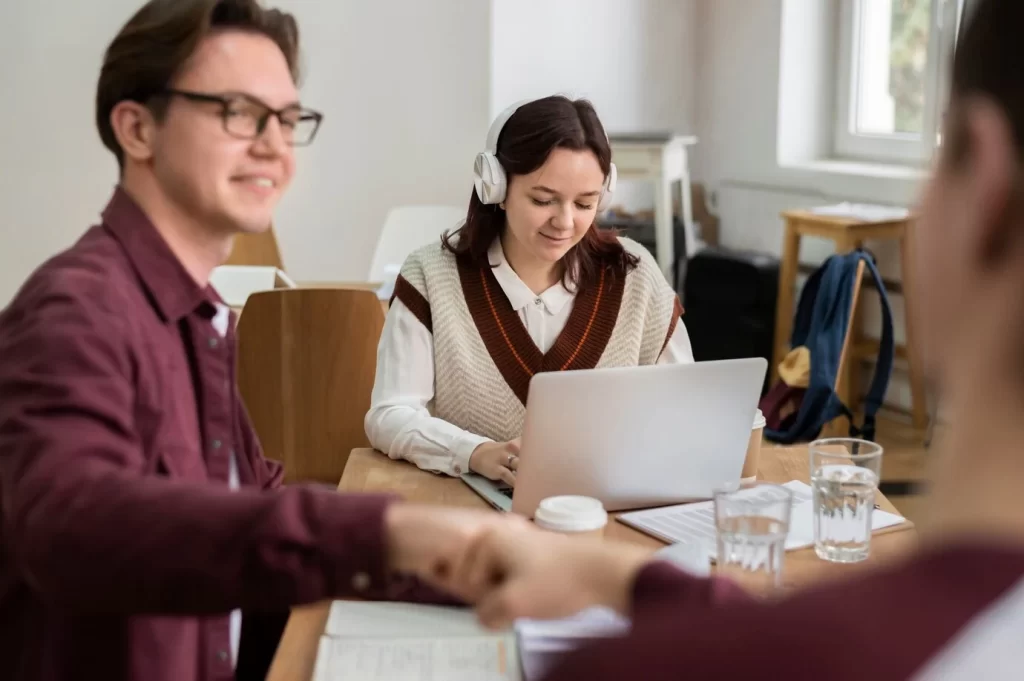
759 420
571 514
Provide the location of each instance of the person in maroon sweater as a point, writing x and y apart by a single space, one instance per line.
954 609
138 515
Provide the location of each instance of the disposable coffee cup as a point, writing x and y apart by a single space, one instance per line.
749 474
572 515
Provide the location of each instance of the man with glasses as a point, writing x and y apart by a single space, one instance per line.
138 512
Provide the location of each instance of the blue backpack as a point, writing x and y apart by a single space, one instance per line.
822 318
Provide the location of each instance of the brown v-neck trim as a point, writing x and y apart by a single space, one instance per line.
579 346
414 300
677 312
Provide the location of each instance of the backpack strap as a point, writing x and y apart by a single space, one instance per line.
883 367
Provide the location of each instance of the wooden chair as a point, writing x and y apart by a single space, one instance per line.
256 249
848 235
840 427
306 364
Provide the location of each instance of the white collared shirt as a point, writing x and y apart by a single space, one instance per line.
399 421
220 323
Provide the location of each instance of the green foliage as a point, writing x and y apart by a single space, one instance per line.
908 57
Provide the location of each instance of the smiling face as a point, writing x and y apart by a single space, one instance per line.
549 210
225 183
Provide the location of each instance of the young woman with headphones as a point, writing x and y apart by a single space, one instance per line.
527 284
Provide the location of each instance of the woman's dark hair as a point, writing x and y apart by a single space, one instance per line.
527 139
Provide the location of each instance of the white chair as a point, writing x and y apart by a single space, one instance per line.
406 228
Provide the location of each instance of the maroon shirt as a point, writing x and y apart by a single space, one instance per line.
887 625
123 549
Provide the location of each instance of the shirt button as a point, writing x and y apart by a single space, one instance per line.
215 444
360 581
222 655
213 342
538 302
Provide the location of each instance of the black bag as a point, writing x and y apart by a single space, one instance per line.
729 300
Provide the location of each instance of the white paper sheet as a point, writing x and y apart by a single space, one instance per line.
543 642
862 211
456 658
695 523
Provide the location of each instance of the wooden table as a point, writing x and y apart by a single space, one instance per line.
370 471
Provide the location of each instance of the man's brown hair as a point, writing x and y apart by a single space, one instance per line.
154 46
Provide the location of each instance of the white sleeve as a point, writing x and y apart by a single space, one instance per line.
399 422
677 350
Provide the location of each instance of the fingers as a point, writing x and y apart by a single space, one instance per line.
513 463
507 476
513 446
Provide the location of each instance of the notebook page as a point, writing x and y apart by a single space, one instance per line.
457 658
364 619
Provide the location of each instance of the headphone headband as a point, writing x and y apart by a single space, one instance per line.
489 177
495 130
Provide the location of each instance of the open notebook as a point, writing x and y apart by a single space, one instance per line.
401 641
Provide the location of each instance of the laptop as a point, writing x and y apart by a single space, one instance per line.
634 437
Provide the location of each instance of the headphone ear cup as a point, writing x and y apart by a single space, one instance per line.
489 179
608 191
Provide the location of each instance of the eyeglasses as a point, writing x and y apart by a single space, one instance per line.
246 117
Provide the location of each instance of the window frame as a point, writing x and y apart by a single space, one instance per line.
898 148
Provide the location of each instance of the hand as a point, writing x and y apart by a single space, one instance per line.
425 540
513 570
496 461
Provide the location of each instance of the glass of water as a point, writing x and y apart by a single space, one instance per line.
844 477
751 526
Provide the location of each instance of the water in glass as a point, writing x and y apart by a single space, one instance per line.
751 526
844 499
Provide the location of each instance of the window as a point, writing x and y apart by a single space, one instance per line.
892 82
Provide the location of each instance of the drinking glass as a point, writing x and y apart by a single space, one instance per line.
844 477
751 526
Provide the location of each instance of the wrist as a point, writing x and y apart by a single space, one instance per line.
616 575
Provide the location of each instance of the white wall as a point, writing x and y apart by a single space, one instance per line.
634 60
739 44
406 109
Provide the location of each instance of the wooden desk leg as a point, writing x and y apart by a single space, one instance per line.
663 233
918 394
787 290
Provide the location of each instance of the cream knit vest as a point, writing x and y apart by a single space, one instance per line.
484 357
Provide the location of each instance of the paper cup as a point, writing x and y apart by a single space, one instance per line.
572 515
749 474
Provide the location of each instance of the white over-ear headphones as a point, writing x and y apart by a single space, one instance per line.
489 177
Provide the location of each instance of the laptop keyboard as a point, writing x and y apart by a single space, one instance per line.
505 490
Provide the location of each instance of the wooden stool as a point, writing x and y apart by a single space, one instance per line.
848 235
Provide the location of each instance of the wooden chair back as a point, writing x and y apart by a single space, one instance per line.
306 364
840 426
256 249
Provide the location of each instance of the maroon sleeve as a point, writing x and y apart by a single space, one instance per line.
89 529
882 625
